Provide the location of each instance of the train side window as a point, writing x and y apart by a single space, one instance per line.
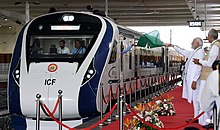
113 53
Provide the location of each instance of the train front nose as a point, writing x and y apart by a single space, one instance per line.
47 79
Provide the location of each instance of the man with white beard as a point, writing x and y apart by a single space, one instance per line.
191 73
206 64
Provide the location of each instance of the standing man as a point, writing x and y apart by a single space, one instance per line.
191 73
206 64
211 90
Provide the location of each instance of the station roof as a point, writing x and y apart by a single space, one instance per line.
124 12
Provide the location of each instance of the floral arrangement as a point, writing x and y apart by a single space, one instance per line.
147 113
165 106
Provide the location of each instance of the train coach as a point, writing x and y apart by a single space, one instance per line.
37 69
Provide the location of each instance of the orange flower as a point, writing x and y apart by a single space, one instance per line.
155 107
148 106
134 122
142 128
127 122
140 107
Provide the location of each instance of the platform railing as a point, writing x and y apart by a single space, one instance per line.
215 117
148 85
101 104
110 101
60 108
40 103
38 96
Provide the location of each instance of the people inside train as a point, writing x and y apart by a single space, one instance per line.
62 49
78 49
211 90
149 64
206 64
36 49
143 63
191 73
53 48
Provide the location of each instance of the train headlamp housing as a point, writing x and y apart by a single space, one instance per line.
68 17
89 73
16 73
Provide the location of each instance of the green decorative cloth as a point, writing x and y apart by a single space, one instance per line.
152 39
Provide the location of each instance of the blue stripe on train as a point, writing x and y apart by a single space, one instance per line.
13 88
87 94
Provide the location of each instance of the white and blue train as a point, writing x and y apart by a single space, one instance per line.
37 66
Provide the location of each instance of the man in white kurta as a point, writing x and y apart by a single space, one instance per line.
192 72
211 90
206 64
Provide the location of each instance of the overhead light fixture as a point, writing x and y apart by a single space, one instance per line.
5 19
193 9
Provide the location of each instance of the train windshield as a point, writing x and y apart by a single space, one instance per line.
59 47
54 38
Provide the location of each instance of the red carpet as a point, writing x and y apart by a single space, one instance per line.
184 111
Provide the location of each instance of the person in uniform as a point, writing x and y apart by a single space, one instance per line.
206 64
191 72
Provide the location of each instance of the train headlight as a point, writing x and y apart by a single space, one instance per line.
16 73
89 73
88 76
17 76
68 17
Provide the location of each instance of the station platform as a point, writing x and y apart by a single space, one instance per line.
184 111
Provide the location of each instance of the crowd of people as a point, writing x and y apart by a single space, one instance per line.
201 77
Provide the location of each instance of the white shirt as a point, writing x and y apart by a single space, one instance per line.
65 50
213 54
192 71
210 91
190 56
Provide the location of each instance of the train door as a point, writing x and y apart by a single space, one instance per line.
127 60
113 68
